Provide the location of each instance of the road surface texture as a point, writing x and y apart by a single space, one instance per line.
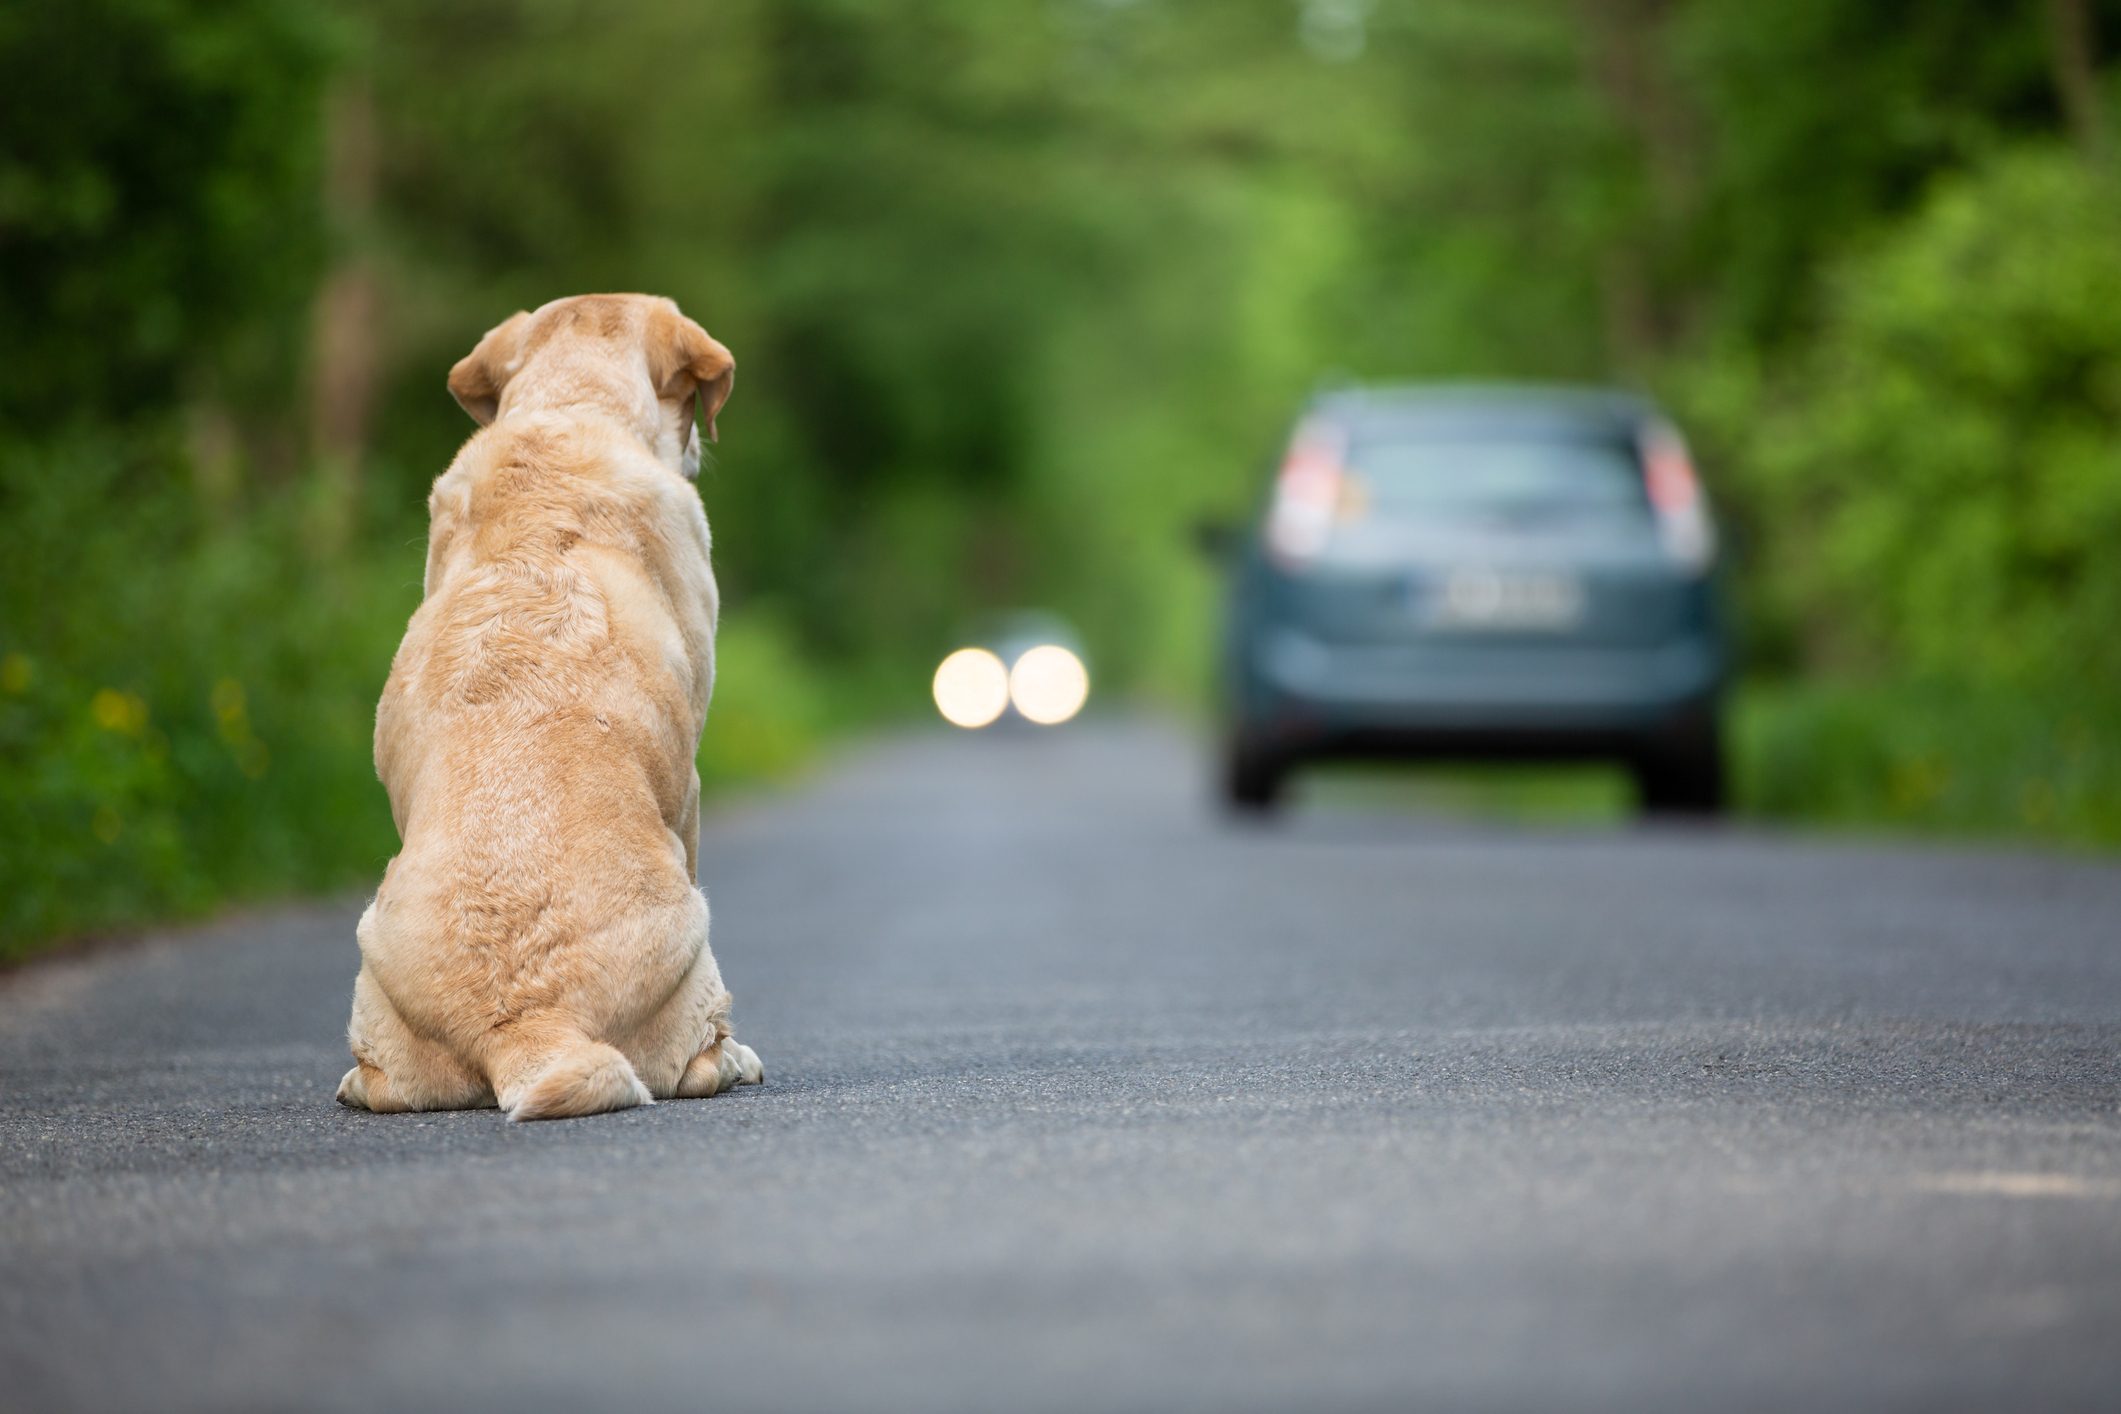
1078 1098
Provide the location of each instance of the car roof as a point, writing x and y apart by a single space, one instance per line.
1487 409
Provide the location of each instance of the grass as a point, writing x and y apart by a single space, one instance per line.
1925 760
194 730
1529 795
1987 764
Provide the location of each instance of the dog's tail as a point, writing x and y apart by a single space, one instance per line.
577 1076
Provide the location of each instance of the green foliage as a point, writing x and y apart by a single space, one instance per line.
1965 761
199 727
1825 115
1940 468
181 679
1944 761
158 197
1944 461
1017 293
771 707
185 707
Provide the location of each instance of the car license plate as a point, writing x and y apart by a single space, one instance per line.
1502 599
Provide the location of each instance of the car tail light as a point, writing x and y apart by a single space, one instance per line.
1307 492
1675 497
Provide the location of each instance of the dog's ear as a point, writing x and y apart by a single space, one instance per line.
686 359
477 380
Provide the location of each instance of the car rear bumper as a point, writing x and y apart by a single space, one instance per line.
1530 697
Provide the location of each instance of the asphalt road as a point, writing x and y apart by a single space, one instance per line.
1079 1099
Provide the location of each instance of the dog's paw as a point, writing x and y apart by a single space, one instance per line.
353 1090
743 1061
729 1062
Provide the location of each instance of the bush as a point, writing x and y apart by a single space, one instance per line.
1930 489
167 234
1954 761
771 709
1942 473
185 706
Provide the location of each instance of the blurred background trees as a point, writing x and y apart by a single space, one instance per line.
1019 288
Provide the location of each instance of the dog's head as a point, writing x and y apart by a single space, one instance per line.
635 355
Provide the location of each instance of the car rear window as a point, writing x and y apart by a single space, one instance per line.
1488 477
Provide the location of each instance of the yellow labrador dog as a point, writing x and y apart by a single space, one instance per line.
539 942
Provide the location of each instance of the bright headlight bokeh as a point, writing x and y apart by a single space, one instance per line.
971 688
1049 684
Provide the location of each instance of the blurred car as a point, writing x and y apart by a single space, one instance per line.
1478 572
1024 666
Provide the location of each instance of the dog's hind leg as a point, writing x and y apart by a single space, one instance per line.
396 1069
726 1063
684 1051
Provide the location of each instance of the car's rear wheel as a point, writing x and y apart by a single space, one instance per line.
1683 772
1255 776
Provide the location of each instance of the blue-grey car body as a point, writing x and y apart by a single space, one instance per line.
1506 588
